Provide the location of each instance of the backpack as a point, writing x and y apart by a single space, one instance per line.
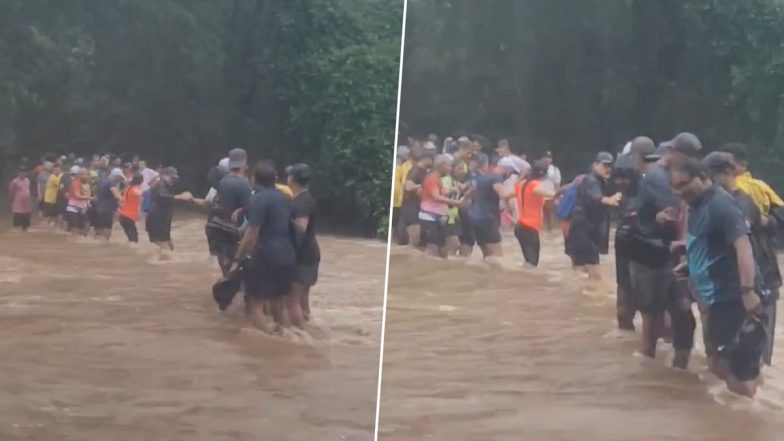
146 201
566 205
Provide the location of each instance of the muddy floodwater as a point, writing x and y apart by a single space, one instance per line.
474 353
100 341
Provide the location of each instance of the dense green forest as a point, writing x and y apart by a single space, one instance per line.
578 76
183 81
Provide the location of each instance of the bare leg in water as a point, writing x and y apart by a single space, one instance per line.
305 303
294 305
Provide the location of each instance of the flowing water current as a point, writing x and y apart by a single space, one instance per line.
473 352
101 341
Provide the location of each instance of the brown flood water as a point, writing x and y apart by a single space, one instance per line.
102 342
472 353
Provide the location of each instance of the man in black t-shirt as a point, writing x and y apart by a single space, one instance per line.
303 215
590 228
159 218
412 196
232 195
267 251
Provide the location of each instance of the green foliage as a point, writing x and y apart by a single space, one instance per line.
579 76
183 81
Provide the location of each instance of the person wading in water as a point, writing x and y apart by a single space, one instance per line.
308 253
266 253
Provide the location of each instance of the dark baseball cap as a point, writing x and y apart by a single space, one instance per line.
238 158
718 162
300 172
686 143
604 158
171 171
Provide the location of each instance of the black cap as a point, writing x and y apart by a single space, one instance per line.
686 143
604 157
300 172
718 162
539 169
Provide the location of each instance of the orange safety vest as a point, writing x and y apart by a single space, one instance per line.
530 207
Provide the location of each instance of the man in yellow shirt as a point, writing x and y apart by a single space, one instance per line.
51 192
764 197
403 165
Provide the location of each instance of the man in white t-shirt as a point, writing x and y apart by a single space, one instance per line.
554 176
553 172
148 175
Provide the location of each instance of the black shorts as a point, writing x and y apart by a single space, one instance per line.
451 230
22 220
307 274
75 221
51 210
158 230
433 233
655 289
266 280
103 221
466 234
622 275
221 243
581 246
485 231
724 321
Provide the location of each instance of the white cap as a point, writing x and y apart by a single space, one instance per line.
75 170
430 146
224 163
627 148
509 163
117 172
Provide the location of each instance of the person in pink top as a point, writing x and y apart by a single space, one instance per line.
21 200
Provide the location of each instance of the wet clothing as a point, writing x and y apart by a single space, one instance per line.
232 193
159 218
20 196
52 189
528 239
484 214
715 223
105 202
589 231
763 196
724 321
485 204
129 227
530 211
22 220
307 247
271 269
411 199
401 172
131 204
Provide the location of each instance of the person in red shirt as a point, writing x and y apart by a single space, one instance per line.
434 208
531 195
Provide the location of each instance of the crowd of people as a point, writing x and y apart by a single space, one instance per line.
690 229
262 232
451 201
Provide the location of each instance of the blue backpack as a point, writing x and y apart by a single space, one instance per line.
146 201
566 205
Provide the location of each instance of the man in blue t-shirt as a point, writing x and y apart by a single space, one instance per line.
267 248
720 265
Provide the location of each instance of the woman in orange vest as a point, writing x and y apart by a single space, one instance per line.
531 194
130 207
